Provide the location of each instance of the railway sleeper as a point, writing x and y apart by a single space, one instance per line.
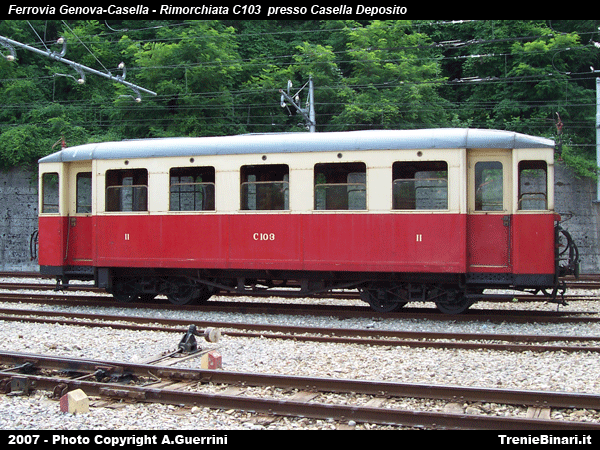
122 393
16 385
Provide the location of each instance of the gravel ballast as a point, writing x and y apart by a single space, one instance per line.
551 371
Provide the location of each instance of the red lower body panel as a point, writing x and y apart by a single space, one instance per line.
533 244
417 243
488 239
518 244
52 241
332 242
65 241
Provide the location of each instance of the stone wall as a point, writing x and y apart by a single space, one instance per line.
575 202
18 219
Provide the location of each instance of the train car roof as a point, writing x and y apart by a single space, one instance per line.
437 138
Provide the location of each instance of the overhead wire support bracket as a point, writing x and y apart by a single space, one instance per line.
307 113
80 68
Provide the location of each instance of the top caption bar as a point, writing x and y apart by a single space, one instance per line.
207 11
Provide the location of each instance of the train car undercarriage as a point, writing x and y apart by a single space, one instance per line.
384 292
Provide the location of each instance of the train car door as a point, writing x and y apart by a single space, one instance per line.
79 227
489 210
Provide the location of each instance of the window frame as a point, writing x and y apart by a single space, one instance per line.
532 165
44 204
482 205
260 180
114 182
413 168
337 175
81 195
208 187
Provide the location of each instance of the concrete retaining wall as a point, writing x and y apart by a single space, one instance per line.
575 202
18 219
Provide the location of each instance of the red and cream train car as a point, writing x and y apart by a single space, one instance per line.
421 215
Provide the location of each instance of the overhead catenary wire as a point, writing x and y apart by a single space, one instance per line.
282 60
449 45
80 68
285 58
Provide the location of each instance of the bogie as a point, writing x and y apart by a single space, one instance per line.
178 290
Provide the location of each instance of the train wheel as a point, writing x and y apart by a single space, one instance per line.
454 303
381 300
124 292
189 294
204 294
185 295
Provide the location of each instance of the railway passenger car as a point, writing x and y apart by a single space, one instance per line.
434 215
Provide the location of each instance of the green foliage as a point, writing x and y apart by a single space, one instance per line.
582 166
21 145
224 77
393 79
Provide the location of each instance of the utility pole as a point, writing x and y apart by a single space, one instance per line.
311 105
10 45
598 135
307 113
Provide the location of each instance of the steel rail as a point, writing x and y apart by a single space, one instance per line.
325 310
334 295
313 410
318 334
385 416
321 384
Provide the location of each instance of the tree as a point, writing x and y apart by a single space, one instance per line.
193 71
393 79
223 77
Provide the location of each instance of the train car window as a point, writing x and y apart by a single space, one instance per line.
340 186
489 194
192 189
533 185
127 190
265 188
50 193
84 193
420 185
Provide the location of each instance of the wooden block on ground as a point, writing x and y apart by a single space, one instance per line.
211 360
538 413
75 402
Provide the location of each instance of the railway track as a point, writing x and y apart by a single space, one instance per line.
348 295
272 396
351 309
338 310
477 341
184 387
